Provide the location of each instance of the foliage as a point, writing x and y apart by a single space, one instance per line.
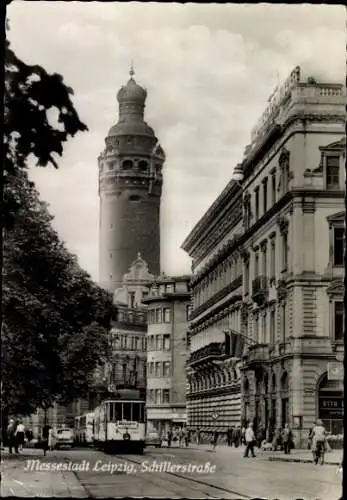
55 319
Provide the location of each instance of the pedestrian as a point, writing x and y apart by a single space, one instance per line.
319 442
260 436
287 438
11 436
230 433
215 439
236 436
50 439
169 438
181 437
186 437
198 436
250 440
19 435
309 440
243 435
45 435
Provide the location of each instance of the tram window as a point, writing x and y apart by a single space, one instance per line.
136 412
127 411
117 412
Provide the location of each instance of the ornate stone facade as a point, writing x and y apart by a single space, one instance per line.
290 237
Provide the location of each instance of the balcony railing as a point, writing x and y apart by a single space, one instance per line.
260 289
209 352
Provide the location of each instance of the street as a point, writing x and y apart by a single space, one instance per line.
221 474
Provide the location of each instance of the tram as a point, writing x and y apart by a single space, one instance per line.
120 423
84 429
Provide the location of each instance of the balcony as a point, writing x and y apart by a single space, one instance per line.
208 353
260 290
258 354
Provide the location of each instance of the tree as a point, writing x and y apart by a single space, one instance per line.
55 319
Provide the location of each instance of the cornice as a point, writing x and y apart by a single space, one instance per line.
222 254
232 190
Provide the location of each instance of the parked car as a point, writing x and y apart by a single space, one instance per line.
153 439
64 438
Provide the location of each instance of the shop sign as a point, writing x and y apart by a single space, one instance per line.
331 407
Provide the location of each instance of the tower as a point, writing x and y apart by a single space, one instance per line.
130 186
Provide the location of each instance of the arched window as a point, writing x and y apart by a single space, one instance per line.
127 164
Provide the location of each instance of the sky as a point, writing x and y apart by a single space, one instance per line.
208 70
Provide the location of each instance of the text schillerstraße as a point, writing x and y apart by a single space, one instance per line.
112 467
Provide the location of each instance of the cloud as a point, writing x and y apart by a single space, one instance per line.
208 69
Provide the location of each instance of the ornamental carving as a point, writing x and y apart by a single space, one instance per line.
282 291
284 157
282 223
336 287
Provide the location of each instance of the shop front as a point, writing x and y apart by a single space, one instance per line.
330 405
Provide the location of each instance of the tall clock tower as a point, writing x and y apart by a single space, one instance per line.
130 186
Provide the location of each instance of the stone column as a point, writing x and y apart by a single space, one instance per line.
296 402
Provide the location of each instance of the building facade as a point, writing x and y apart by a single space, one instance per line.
213 397
130 185
168 306
292 243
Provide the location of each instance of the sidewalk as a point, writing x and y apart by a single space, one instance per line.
333 457
27 475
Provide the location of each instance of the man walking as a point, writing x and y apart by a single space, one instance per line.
250 441
11 437
287 439
230 433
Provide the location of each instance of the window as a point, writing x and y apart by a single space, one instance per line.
188 311
339 236
169 288
166 369
339 320
150 368
167 315
246 277
256 328
332 172
144 294
257 204
284 251
158 316
265 195
256 265
157 368
166 342
264 263
272 326
273 259
263 329
273 188
283 322
166 396
158 342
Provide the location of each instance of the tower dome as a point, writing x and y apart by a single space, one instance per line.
132 92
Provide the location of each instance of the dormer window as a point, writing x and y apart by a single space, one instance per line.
332 172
